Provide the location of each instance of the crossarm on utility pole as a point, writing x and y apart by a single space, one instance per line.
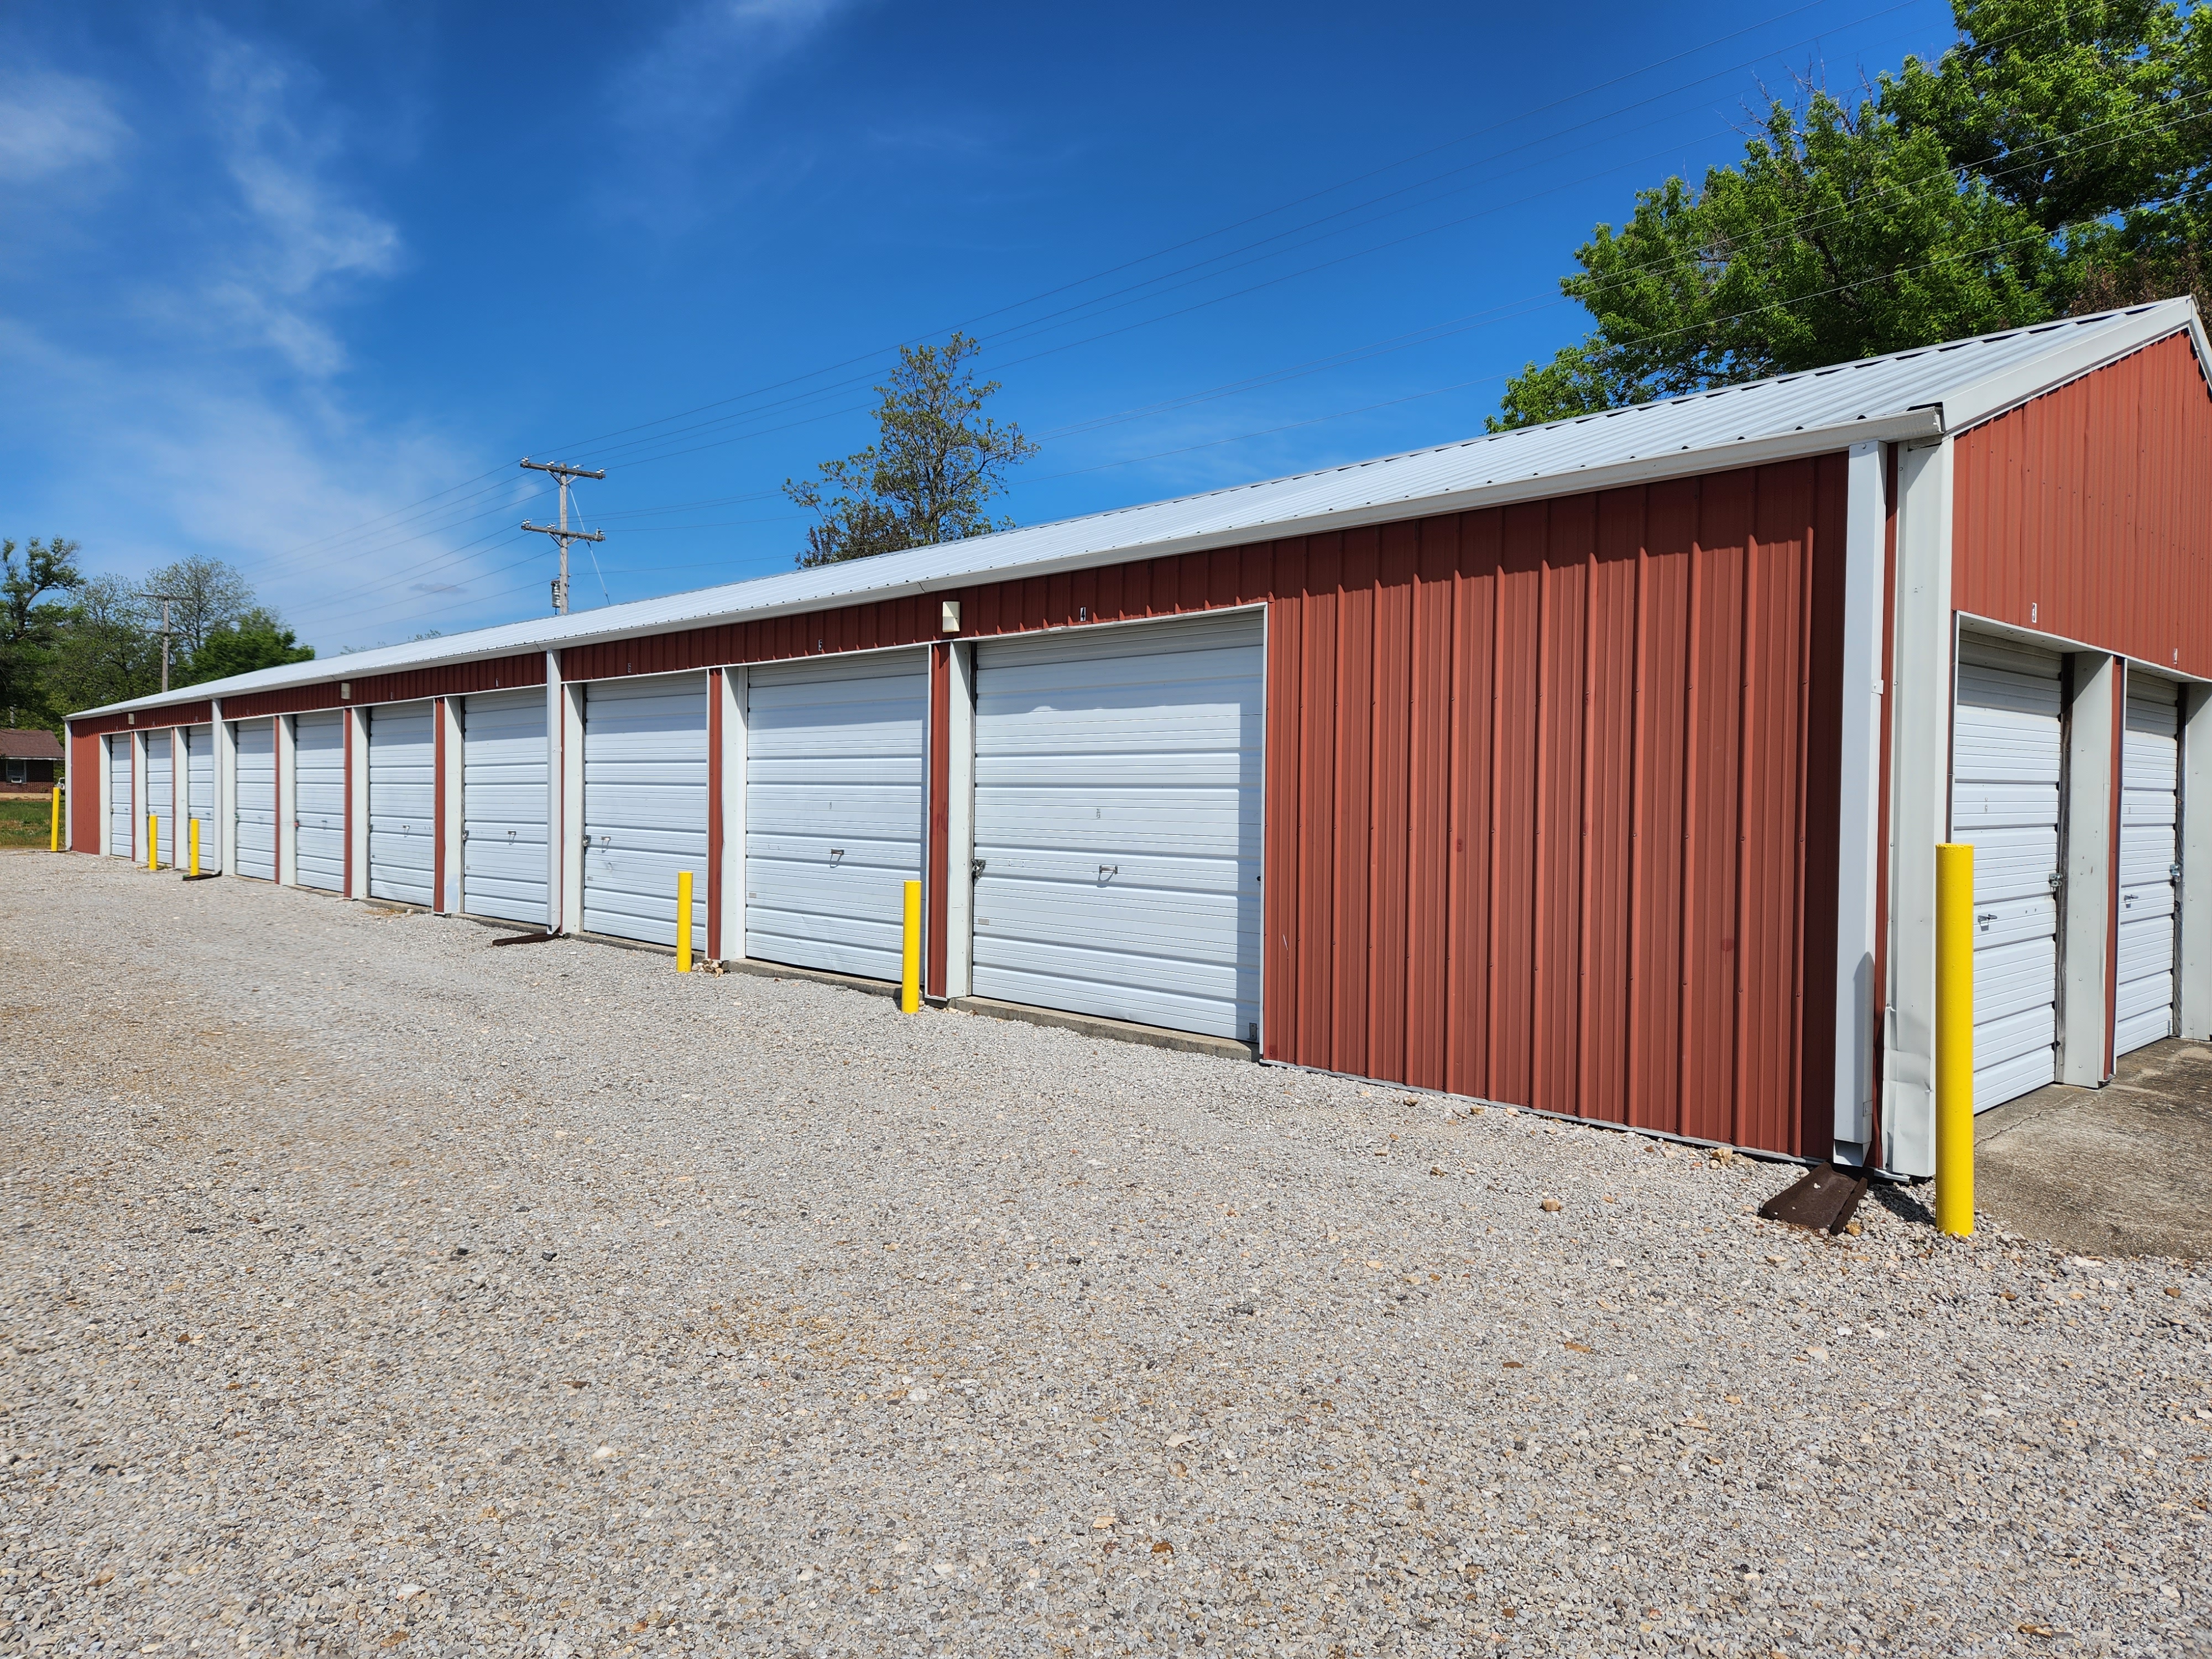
562 469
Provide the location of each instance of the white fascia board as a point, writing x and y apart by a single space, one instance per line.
2101 348
1912 424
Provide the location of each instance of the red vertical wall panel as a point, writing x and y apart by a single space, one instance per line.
1389 799
1353 970
87 833
2088 512
1429 828
1542 793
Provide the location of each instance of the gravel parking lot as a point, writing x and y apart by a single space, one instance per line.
367 1288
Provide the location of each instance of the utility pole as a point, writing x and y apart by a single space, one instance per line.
166 600
563 473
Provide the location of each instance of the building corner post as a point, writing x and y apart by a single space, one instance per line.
357 797
226 786
564 777
1858 835
729 855
2098 699
1920 691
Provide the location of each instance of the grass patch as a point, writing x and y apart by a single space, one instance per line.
24 823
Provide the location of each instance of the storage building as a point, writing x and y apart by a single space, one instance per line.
1597 767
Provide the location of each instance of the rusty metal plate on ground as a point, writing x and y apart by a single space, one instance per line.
1824 1199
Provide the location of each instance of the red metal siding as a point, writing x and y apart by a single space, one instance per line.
87 767
2087 512
1551 795
148 720
456 679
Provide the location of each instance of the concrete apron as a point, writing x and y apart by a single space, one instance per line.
2119 1170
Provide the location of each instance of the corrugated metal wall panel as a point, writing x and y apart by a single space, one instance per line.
2087 514
86 829
1537 780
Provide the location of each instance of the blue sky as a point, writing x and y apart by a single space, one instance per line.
296 287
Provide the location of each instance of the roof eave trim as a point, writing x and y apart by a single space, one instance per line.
1913 425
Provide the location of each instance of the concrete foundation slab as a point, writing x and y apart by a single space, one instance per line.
2120 1170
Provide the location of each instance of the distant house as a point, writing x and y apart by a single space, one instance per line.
30 762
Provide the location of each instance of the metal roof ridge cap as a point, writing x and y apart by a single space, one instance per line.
2101 342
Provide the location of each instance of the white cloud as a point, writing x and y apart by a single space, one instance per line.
53 124
305 236
181 392
707 61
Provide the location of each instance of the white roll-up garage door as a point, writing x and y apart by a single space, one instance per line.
257 799
645 805
2150 781
402 803
122 809
162 794
319 804
503 800
833 754
1117 822
2005 800
199 797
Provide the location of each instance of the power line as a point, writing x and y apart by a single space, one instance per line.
1270 377
1169 249
565 476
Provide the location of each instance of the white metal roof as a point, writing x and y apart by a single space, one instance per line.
1921 393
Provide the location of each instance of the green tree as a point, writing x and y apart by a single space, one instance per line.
2055 160
2095 116
105 647
256 640
932 472
1840 235
205 595
31 594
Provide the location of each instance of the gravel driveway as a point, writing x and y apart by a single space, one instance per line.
367 1288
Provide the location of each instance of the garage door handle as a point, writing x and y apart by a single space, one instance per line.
1985 918
1106 870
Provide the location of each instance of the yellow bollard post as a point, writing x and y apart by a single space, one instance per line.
1954 1039
196 849
910 956
55 839
684 922
152 842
